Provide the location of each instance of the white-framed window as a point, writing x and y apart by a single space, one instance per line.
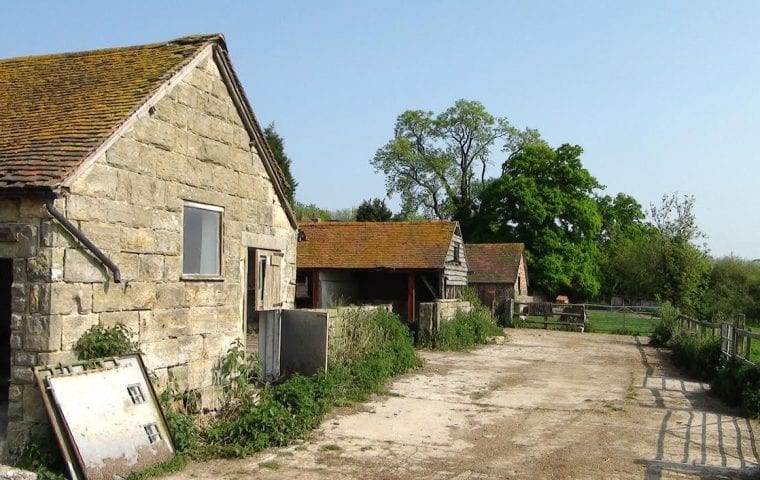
201 240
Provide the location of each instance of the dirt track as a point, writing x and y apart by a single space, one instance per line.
543 405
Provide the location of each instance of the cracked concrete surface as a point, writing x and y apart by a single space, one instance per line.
543 405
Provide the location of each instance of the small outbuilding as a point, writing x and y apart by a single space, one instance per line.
402 263
498 271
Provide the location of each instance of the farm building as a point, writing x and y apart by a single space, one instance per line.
497 271
402 263
135 186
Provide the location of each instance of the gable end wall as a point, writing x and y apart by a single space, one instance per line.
191 146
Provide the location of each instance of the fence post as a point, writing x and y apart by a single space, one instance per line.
511 311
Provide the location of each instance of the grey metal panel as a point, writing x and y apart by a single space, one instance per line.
304 342
269 343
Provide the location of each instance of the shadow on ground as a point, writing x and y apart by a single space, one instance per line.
699 436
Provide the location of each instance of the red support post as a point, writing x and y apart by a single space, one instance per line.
315 289
411 299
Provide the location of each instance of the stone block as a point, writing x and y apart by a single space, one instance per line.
125 153
79 266
178 377
74 326
190 347
86 208
139 296
204 320
24 240
128 264
24 359
22 375
19 299
159 378
17 321
167 243
170 295
138 240
42 333
154 132
165 220
105 235
15 414
34 408
66 298
145 190
172 267
99 181
29 208
9 209
17 341
55 358
150 268
130 319
54 235
161 354
205 294
15 392
107 297
186 94
172 167
202 372
159 325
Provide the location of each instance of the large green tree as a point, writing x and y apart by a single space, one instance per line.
545 199
374 210
437 162
277 145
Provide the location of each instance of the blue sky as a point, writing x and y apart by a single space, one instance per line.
664 96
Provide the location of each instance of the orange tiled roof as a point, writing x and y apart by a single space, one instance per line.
57 109
493 262
375 245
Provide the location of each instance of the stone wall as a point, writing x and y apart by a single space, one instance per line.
432 314
191 146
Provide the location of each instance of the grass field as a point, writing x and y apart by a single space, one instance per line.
603 321
627 323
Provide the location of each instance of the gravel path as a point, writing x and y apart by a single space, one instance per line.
542 405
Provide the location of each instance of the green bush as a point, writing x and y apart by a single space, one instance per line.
287 411
699 356
465 330
99 342
40 454
667 327
738 385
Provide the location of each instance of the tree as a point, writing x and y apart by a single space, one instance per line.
733 288
277 145
545 199
374 210
436 162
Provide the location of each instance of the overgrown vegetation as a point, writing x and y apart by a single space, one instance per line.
738 385
668 325
697 355
99 342
465 330
40 454
276 415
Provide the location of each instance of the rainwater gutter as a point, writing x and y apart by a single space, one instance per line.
79 235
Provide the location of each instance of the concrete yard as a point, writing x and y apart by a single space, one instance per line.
542 405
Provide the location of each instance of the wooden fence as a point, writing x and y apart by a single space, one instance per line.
735 340
567 315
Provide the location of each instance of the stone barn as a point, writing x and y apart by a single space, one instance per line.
498 272
401 263
136 186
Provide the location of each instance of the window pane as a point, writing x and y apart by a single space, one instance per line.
200 249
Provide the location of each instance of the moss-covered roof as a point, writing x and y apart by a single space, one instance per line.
375 245
494 262
55 110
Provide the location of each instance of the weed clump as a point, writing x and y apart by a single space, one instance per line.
99 341
667 327
465 330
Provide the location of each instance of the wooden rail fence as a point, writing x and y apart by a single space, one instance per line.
735 339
